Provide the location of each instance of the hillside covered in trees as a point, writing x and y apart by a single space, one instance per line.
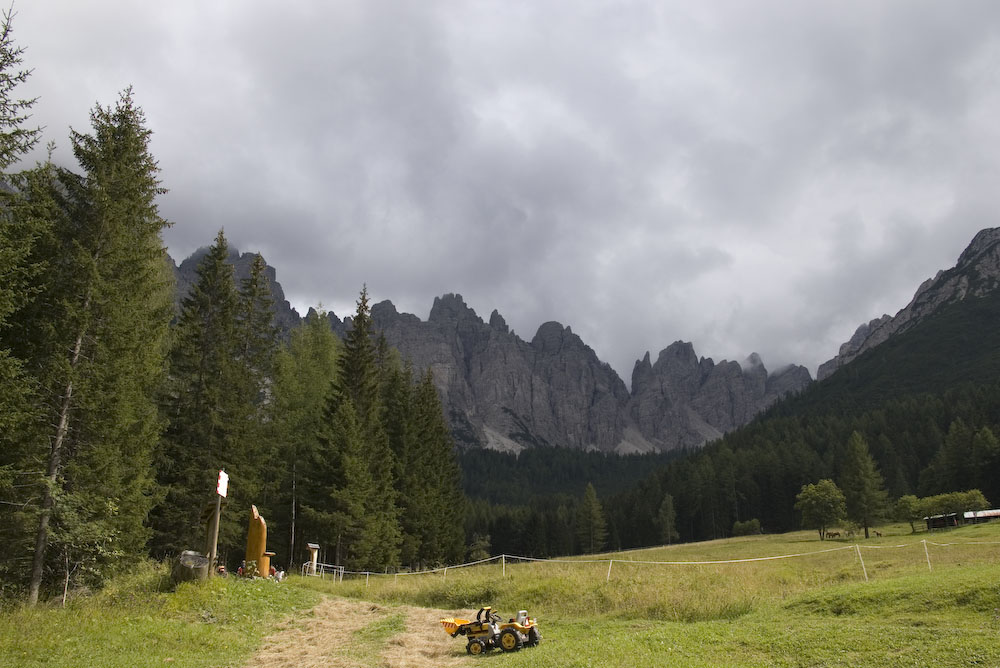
925 404
118 409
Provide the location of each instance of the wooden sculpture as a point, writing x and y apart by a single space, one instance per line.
258 559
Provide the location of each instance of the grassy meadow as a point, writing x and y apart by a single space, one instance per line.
813 610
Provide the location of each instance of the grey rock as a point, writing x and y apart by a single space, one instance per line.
502 392
682 401
976 274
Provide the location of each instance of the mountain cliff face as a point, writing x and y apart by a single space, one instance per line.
504 393
681 400
976 274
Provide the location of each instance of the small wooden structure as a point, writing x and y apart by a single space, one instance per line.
313 558
980 516
946 521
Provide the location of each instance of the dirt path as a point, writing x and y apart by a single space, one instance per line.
334 635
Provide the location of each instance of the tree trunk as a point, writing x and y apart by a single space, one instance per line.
291 543
55 467
48 498
66 581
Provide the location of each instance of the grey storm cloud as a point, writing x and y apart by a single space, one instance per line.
751 177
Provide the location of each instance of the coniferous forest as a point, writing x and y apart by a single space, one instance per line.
118 409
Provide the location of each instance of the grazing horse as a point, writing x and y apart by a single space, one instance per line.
878 534
833 534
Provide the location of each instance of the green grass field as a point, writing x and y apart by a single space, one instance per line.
815 610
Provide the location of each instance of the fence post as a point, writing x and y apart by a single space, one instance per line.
366 579
863 569
610 562
503 565
928 555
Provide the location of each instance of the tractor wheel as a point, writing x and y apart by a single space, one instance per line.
510 640
534 637
475 647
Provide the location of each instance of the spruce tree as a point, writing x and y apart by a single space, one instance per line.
354 447
204 413
433 455
22 219
94 339
864 489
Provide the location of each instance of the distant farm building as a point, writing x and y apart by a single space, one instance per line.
951 520
947 521
980 516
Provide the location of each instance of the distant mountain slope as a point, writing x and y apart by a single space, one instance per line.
977 273
957 344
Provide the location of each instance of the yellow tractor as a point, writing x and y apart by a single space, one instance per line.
489 631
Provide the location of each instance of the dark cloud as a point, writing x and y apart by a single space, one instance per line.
751 177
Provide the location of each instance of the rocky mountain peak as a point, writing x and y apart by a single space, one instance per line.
449 308
498 323
504 393
976 274
552 337
383 310
984 242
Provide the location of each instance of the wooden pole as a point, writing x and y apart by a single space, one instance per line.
214 544
863 568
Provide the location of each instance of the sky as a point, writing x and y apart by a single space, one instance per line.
747 176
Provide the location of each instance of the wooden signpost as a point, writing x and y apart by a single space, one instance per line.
222 487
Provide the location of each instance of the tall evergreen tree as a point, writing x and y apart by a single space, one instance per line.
432 458
22 220
16 140
864 489
205 413
94 338
591 529
303 375
354 447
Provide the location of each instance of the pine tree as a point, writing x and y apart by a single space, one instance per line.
591 530
667 519
303 374
354 447
434 467
94 339
16 140
23 218
204 413
256 347
864 489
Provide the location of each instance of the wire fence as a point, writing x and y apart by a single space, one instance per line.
511 559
